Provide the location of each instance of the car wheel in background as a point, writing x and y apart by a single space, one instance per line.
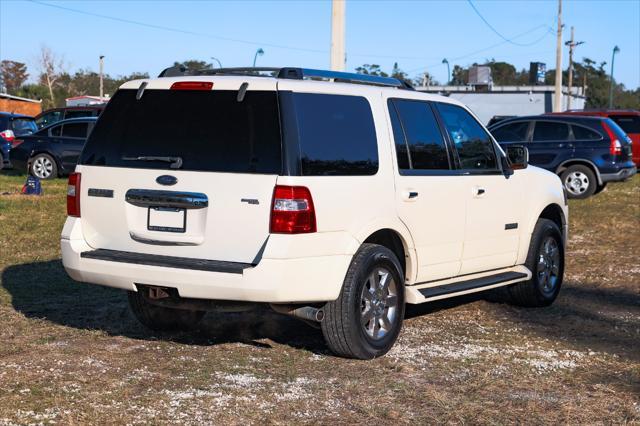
159 318
579 181
546 262
365 321
43 166
1 161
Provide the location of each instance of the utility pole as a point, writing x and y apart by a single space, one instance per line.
616 49
338 56
557 99
101 77
572 44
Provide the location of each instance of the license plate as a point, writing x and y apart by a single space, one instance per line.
167 219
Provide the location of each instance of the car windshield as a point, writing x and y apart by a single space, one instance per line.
24 126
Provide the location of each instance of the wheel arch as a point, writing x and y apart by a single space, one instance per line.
580 162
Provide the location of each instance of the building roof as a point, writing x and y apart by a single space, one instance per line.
18 98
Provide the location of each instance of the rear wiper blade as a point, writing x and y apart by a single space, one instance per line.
176 162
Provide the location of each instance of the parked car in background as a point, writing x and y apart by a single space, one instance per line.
498 118
627 119
54 150
586 152
51 116
12 126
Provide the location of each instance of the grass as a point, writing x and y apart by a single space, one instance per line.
72 353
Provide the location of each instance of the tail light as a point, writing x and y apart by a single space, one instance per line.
192 85
292 210
16 142
615 148
73 195
8 135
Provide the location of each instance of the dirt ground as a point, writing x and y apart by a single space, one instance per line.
73 354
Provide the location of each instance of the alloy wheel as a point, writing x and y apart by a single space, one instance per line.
42 167
379 304
548 269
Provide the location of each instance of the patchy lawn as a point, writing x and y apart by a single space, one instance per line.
73 354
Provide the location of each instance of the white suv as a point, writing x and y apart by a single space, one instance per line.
336 198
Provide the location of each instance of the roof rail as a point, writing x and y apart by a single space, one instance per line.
292 74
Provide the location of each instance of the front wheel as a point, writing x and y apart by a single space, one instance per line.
546 263
579 181
365 321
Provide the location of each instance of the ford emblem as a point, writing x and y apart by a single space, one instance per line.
167 180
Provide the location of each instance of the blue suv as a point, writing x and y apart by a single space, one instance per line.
12 126
586 152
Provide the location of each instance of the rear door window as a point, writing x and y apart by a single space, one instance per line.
74 130
549 131
628 123
473 144
512 132
419 143
209 130
336 135
581 133
24 126
56 131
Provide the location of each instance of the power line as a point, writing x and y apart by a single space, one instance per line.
507 40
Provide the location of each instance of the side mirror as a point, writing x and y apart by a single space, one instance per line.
518 156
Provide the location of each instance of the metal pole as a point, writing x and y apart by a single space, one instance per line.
445 61
572 45
557 99
338 55
218 61
616 49
101 77
255 57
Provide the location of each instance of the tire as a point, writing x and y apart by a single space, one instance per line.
546 265
366 319
600 188
579 181
159 318
1 161
43 166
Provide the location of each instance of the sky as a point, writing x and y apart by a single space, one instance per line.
416 34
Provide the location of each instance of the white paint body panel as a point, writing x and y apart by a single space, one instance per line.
445 232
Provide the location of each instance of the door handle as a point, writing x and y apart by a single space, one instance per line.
410 195
413 194
478 191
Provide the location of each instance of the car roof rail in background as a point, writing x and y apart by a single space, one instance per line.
292 74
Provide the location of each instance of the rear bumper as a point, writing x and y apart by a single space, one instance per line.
273 280
623 174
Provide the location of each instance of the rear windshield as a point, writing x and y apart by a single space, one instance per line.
23 126
628 123
617 130
208 130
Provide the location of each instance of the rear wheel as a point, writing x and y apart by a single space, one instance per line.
365 321
159 318
546 262
579 181
43 166
600 188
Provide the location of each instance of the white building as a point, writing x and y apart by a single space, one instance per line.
85 100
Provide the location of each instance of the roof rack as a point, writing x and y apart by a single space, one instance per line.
293 74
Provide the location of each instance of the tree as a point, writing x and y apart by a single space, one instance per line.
371 69
502 73
51 68
12 75
194 64
459 76
396 72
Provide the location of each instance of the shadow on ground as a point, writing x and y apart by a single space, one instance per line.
600 319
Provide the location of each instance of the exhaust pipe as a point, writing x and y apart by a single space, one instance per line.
307 313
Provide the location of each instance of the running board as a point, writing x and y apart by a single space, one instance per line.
464 285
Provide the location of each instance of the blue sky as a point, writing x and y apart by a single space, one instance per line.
416 34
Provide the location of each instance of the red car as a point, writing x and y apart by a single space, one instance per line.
628 119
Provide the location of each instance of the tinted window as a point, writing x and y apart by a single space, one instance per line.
628 123
513 132
545 131
56 131
78 114
423 143
617 130
209 130
49 118
473 144
24 126
74 130
336 135
583 134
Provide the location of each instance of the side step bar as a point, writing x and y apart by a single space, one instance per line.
472 284
166 261
451 287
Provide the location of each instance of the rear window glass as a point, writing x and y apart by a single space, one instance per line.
78 113
628 123
583 134
74 130
24 126
208 130
336 135
548 131
617 130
